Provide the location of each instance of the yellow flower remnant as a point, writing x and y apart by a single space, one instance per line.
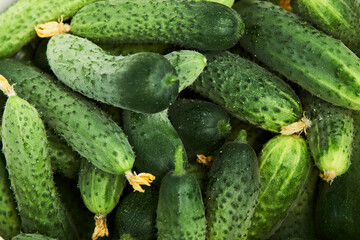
50 29
136 180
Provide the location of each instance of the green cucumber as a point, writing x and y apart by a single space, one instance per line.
141 82
339 19
136 215
248 91
154 141
40 59
180 210
285 166
232 190
96 137
9 218
317 62
31 236
100 192
128 49
330 136
200 172
25 149
126 237
19 20
201 125
228 3
199 25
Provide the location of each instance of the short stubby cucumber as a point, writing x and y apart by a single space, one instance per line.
248 91
232 190
25 149
285 166
180 210
330 136
317 62
100 192
142 82
32 236
199 25
19 20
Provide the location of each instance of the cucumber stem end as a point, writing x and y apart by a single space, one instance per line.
179 165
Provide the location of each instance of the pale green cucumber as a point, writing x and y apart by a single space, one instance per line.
32 236
228 3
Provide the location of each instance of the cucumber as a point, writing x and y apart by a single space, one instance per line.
180 210
200 172
285 166
100 192
339 19
126 237
40 59
228 3
330 136
141 82
201 125
248 91
31 236
18 21
232 190
25 149
317 62
128 49
136 215
9 218
199 25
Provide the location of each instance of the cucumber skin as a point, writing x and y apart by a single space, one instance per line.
339 19
287 158
31 236
141 82
232 191
248 91
199 25
73 117
25 150
18 21
317 62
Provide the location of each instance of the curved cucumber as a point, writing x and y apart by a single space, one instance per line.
200 25
317 62
285 166
232 191
18 21
31 236
141 82
96 137
248 91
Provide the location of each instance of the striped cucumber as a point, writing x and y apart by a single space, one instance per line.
248 91
232 191
317 62
141 82
25 150
31 236
285 166
18 21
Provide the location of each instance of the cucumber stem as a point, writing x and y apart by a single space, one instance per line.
50 29
101 229
223 126
179 168
5 87
241 138
136 180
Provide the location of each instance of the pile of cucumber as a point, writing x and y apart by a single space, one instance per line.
180 120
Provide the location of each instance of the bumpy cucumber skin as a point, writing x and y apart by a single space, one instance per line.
180 210
129 48
154 141
285 166
330 135
73 117
9 218
248 91
18 21
136 215
25 150
232 191
199 25
317 62
337 18
100 190
141 82
31 236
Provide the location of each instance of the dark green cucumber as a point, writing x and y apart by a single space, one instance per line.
317 62
200 172
126 237
127 49
200 25
25 149
9 218
32 236
330 136
141 82
232 190
201 125
285 166
180 210
136 215
248 91
339 19
83 126
40 59
154 141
